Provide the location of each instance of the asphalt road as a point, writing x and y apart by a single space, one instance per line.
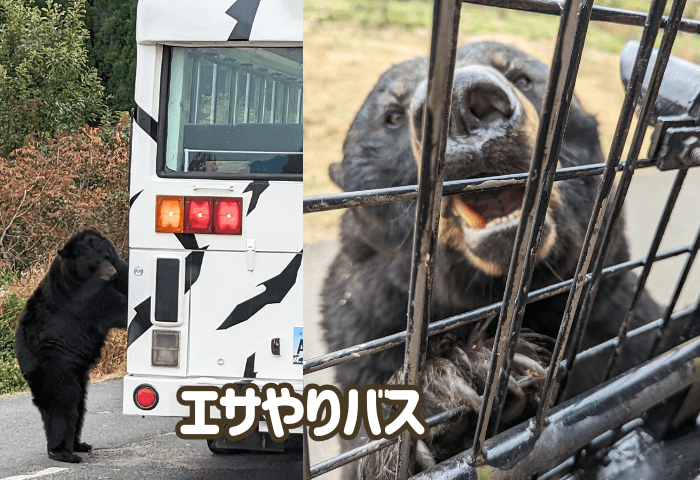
125 446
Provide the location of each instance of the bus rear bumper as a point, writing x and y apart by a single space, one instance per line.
166 394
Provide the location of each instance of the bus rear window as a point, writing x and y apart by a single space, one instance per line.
234 112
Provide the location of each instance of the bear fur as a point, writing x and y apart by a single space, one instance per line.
61 332
497 96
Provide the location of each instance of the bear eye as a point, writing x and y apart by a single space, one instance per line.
394 119
522 82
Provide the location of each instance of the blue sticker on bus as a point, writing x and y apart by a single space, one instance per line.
298 346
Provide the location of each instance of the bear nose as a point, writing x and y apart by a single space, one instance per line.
480 98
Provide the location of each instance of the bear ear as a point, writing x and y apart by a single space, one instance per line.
335 171
62 253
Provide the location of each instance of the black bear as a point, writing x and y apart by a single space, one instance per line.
61 332
496 99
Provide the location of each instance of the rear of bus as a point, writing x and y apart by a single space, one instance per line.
215 227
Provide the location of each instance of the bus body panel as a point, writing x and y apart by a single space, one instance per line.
182 20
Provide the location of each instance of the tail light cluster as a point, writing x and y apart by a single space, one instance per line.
222 215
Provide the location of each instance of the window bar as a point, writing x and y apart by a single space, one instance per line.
259 91
436 119
573 424
298 116
642 279
214 86
376 445
676 294
246 105
323 203
194 97
233 105
633 91
228 86
570 60
552 118
273 97
380 344
288 96
263 82
600 14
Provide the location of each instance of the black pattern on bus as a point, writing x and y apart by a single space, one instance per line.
257 187
141 322
276 289
250 367
244 12
147 123
193 261
133 199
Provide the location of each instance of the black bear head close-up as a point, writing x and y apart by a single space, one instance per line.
85 251
497 97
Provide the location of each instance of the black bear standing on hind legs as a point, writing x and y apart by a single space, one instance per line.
61 332
496 99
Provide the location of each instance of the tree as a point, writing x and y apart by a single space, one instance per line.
112 26
47 84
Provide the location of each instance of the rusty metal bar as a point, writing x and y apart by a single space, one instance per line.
436 120
348 354
336 201
577 422
645 50
376 445
550 133
600 14
553 146
676 294
644 275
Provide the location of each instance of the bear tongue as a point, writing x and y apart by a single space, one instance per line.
479 208
473 219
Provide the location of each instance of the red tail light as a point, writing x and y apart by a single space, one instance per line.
145 397
228 218
199 214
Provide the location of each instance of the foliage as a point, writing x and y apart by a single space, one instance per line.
47 85
54 187
11 379
112 51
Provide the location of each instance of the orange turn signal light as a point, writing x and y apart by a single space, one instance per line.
170 214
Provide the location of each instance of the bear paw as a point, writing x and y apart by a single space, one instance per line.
64 455
82 447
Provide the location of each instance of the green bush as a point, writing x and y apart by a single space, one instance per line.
47 84
11 379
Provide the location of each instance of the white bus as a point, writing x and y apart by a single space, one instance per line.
215 224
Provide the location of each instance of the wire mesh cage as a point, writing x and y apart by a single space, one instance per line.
551 443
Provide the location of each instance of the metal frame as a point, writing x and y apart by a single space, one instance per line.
526 450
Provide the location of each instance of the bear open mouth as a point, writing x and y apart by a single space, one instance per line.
489 209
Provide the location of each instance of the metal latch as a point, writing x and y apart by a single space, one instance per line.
250 254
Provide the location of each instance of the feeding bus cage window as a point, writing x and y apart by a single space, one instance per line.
538 446
232 113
